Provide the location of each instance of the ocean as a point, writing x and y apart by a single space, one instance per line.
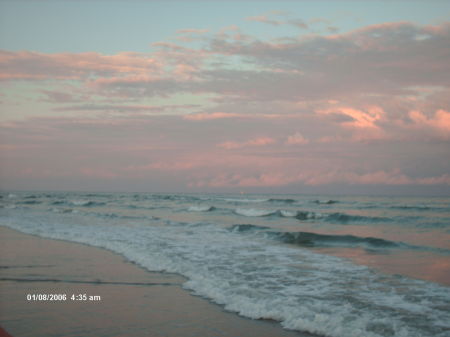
338 266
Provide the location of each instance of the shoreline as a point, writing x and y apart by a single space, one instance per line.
121 298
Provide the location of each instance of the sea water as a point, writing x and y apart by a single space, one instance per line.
342 266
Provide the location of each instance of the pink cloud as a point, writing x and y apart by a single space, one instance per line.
163 166
319 177
264 19
440 122
261 141
439 180
297 139
363 123
360 119
210 116
238 180
33 65
230 145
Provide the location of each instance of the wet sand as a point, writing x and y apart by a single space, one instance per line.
129 301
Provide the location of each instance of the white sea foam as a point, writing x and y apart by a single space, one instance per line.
253 212
80 202
288 214
258 278
200 208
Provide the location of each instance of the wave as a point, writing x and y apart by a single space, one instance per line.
132 206
246 228
252 212
309 239
62 210
162 197
271 200
98 195
127 217
79 203
86 203
303 215
411 207
201 208
30 202
244 200
58 202
344 218
281 200
170 197
341 218
418 207
327 202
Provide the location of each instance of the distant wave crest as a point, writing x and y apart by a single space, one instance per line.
201 208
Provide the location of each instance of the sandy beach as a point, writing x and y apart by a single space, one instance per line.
112 296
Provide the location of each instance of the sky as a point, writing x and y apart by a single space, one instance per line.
332 97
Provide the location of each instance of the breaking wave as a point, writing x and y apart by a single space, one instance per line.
326 202
344 218
252 212
201 208
341 218
284 201
310 239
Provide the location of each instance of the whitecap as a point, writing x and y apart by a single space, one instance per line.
200 208
253 212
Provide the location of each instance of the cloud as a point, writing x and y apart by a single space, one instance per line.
393 177
190 34
130 109
162 166
192 31
70 66
373 104
210 116
390 59
309 178
439 123
55 96
299 23
261 141
439 180
264 19
380 59
364 123
297 139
